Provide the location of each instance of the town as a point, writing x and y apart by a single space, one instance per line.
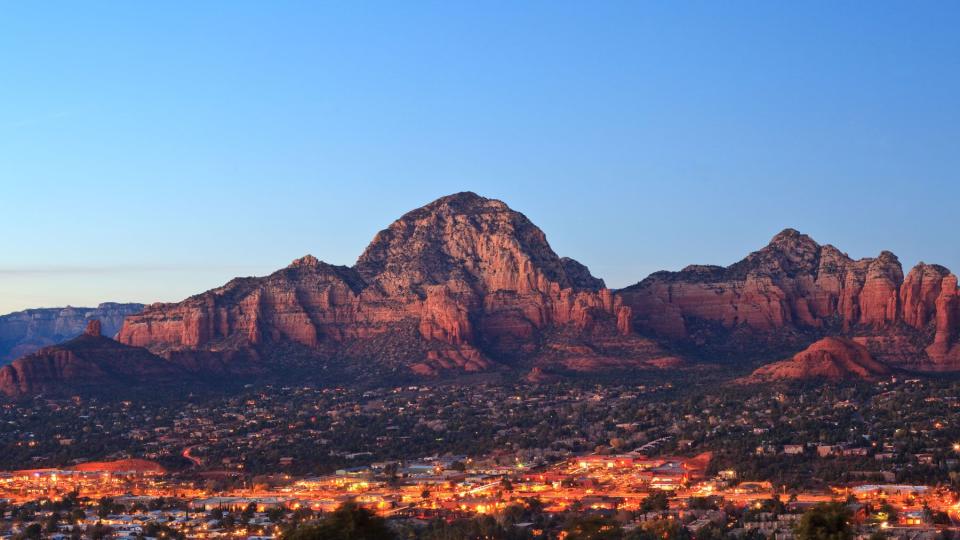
676 457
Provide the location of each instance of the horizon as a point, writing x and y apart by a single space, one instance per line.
906 267
155 152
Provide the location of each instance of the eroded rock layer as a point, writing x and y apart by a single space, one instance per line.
793 291
477 280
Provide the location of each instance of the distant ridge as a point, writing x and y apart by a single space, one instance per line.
88 361
24 332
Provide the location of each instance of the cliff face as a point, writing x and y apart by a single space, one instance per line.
87 360
469 281
24 332
467 284
794 290
830 358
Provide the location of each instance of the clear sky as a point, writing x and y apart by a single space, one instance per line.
152 150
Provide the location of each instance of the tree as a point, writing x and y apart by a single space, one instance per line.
248 512
53 523
825 521
33 531
98 531
656 501
348 522
593 527
77 515
660 529
889 511
153 530
106 506
275 514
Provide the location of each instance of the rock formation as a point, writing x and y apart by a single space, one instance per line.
463 283
24 332
467 284
830 358
94 328
794 291
86 361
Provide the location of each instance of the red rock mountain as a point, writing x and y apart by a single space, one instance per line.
830 358
793 291
463 283
89 360
467 284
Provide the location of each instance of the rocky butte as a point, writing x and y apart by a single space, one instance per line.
463 283
86 361
795 291
831 358
24 332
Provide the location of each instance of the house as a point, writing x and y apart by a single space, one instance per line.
824 450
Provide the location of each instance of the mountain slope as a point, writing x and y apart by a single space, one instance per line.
463 283
794 291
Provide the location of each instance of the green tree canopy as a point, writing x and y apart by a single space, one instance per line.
825 521
348 522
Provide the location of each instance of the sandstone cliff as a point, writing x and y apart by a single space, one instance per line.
467 284
23 332
463 283
794 291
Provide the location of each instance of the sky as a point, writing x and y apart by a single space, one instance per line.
150 151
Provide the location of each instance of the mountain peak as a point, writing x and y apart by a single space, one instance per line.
462 203
793 240
93 328
469 238
463 198
307 261
789 232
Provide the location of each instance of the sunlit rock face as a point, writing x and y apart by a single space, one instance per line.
794 291
832 359
476 282
466 284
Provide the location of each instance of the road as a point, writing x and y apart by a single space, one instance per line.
193 459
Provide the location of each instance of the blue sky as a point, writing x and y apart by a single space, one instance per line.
152 151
